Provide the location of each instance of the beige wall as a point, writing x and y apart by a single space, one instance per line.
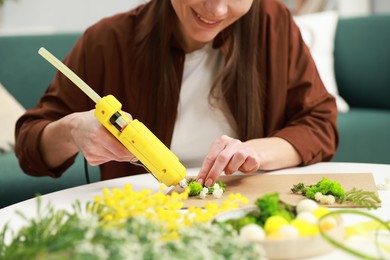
32 16
354 7
345 7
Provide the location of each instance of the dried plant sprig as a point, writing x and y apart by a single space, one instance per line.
367 199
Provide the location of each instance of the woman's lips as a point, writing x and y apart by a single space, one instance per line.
206 22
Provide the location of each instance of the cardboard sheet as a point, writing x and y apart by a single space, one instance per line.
255 185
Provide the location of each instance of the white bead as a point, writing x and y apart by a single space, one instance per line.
252 233
289 231
308 216
306 205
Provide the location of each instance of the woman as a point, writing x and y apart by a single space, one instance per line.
227 84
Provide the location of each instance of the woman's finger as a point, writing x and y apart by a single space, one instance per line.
210 158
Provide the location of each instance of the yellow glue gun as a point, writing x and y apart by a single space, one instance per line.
140 141
135 136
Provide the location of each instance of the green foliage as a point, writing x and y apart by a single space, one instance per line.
299 188
52 231
221 185
329 187
195 187
324 186
270 205
238 223
3 246
79 234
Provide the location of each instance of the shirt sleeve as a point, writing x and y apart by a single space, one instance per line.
102 57
60 99
310 116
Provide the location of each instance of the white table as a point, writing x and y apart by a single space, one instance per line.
63 199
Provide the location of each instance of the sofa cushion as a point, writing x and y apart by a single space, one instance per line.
318 31
16 186
362 61
23 71
364 136
10 111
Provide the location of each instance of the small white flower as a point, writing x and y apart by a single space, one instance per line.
330 199
205 190
216 186
384 186
183 183
325 199
217 193
318 196
203 194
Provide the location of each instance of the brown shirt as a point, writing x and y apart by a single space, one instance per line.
298 108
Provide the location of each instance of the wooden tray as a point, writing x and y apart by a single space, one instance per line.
255 185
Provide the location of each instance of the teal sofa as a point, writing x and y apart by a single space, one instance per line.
362 67
26 75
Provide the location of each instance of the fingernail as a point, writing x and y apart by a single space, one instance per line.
209 182
200 181
134 160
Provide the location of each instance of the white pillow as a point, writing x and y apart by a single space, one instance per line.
10 111
319 31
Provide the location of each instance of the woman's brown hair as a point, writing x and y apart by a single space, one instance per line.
239 81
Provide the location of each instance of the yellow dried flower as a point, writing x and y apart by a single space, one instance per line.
116 206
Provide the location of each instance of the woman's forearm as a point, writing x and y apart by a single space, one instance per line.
81 132
275 153
56 144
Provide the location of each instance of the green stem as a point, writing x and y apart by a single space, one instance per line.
343 247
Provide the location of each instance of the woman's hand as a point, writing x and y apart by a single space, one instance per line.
96 143
81 132
227 155
230 155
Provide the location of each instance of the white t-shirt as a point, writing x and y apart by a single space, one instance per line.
198 124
